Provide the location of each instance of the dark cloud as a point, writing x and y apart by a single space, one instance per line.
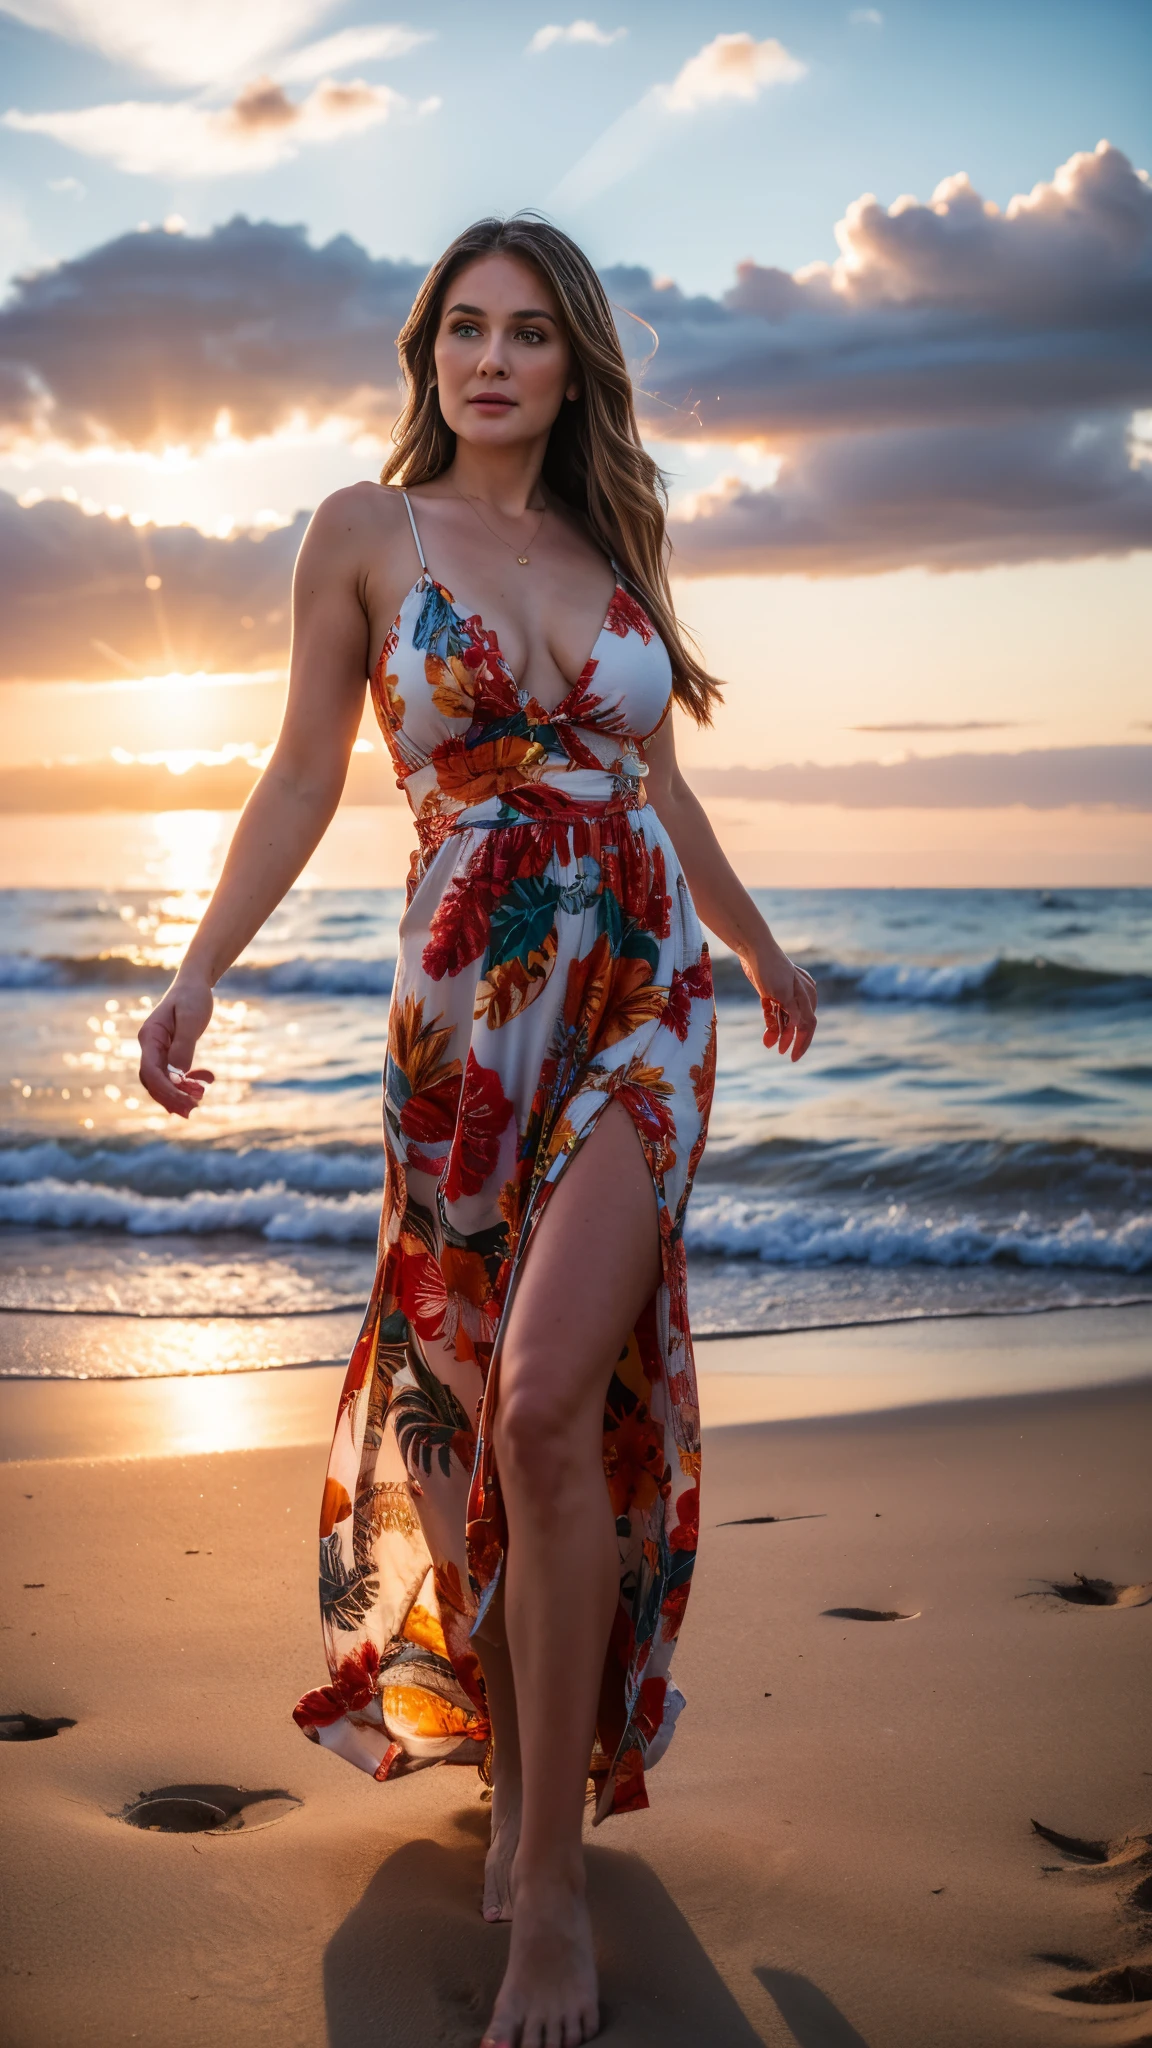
1041 779
143 341
87 786
75 602
941 726
955 391
947 311
941 498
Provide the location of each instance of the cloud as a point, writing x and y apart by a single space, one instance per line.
951 310
733 67
866 17
221 39
953 497
576 32
181 139
943 726
76 603
961 387
1041 779
143 341
110 785
368 44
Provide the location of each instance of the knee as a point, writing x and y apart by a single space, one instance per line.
540 1448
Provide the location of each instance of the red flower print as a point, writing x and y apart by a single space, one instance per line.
353 1685
630 1794
421 1293
633 1460
672 1612
693 985
686 1534
462 922
484 1114
649 1712
626 616
659 902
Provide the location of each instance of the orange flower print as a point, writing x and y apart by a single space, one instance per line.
472 773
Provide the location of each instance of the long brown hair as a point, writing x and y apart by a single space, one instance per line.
595 461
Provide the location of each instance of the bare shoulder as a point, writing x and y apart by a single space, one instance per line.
357 513
359 536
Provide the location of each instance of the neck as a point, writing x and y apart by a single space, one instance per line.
508 479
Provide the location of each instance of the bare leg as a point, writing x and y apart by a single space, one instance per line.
592 1265
500 1686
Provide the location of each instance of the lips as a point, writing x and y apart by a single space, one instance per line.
487 404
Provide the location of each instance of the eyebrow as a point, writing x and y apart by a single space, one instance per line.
525 312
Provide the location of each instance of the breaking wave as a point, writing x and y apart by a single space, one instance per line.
996 980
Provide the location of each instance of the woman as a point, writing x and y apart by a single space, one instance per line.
510 1516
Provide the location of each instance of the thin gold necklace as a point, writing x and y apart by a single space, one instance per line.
523 559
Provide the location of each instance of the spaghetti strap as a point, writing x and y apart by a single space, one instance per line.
415 530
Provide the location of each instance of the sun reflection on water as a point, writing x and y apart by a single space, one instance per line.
186 856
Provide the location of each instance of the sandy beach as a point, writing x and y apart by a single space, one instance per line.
839 1850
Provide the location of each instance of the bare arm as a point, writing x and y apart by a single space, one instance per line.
787 993
291 806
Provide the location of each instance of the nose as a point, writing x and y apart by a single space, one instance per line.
493 362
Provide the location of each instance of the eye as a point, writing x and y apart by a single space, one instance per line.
532 335
465 329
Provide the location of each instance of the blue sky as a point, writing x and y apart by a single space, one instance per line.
1003 91
924 505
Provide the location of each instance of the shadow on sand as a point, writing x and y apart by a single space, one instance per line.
810 2017
414 1964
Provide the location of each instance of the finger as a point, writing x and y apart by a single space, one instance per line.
182 1047
805 1033
154 1039
771 1020
787 1030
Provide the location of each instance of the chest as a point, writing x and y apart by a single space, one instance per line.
442 674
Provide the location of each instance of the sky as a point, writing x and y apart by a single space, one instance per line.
899 263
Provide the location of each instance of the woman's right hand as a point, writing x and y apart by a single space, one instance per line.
168 1045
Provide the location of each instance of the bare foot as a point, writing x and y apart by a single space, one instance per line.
549 1997
505 1840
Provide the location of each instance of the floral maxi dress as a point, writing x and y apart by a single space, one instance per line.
550 962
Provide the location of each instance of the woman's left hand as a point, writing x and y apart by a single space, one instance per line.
787 997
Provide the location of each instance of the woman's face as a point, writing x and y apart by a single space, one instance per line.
503 364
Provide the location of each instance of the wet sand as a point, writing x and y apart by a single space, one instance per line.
839 1848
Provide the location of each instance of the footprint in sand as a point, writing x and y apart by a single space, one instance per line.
1083 1592
31 1727
1127 1982
747 1521
207 1810
1129 1985
867 1614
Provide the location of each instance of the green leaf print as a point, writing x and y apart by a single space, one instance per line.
522 920
610 919
637 944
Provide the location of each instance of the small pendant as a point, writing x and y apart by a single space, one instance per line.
523 561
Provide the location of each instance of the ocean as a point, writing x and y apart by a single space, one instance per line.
970 1133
